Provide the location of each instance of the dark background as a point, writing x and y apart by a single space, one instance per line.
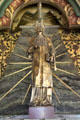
11 104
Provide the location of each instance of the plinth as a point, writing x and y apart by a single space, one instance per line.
41 112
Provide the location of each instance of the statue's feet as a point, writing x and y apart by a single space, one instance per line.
40 102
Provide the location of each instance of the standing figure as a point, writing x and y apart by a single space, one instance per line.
43 54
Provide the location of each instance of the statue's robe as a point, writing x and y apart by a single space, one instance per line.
42 73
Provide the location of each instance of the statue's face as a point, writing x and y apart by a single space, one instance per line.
39 27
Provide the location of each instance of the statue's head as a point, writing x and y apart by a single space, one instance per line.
39 27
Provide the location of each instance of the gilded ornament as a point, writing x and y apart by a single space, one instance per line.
0 22
26 1
78 21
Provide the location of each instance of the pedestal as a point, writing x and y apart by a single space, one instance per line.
41 112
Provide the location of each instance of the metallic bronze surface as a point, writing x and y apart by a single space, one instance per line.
43 54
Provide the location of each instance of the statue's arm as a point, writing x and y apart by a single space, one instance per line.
30 49
52 53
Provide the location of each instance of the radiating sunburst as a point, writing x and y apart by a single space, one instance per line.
28 66
63 71
19 71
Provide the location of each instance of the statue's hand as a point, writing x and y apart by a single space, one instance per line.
29 53
52 59
47 58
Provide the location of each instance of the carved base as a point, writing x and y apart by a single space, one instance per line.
41 112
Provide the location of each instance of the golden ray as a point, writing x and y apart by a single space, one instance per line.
20 63
17 71
58 46
22 56
66 62
15 86
56 95
26 93
22 47
61 55
66 72
67 86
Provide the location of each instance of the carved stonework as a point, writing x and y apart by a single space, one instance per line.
63 4
40 54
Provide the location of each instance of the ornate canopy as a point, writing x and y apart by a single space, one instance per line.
8 9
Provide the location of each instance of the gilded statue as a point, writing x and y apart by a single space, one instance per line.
42 52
